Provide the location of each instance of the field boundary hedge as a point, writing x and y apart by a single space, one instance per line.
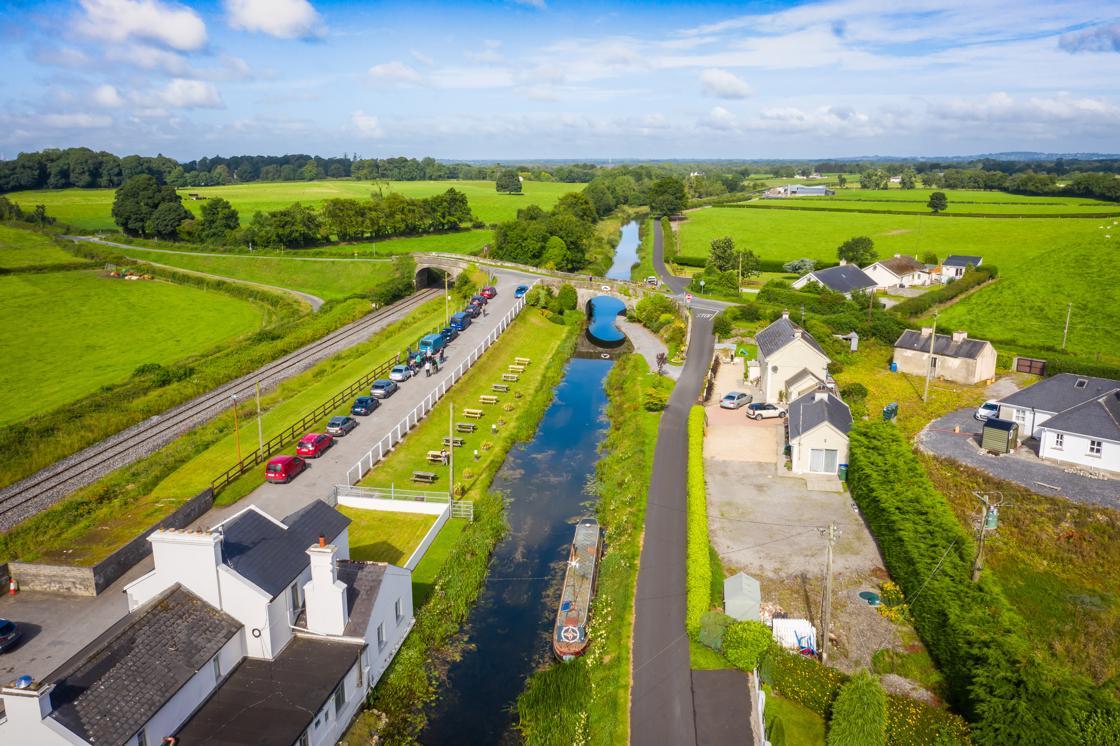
40 269
947 293
930 213
699 582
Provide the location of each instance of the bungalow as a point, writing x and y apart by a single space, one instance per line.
818 423
799 190
954 266
955 357
843 278
790 361
898 271
258 630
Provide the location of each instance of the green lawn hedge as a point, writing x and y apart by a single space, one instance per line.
859 714
699 583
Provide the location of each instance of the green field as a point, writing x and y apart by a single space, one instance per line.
91 208
79 330
960 201
23 248
1043 263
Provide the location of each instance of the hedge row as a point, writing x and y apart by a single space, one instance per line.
699 584
918 305
764 265
37 269
969 628
859 714
869 211
823 303
668 240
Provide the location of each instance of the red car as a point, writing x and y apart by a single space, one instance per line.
284 469
312 445
489 292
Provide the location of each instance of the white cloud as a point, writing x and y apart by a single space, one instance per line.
76 121
719 118
395 73
421 57
723 84
60 56
366 125
285 19
107 97
538 4
169 24
181 93
1098 39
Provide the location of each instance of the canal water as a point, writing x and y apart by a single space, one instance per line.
626 253
508 633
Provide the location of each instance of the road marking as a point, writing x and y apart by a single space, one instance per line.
705 315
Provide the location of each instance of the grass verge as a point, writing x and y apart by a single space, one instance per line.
588 700
795 723
699 584
383 536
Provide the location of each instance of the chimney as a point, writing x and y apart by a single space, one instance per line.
959 337
843 262
26 704
927 330
785 313
190 558
820 395
797 334
325 594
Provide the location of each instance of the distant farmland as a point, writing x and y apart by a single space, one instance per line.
91 208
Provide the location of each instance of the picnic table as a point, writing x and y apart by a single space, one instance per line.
488 399
474 414
516 368
427 477
510 377
503 388
522 360
435 457
457 442
465 427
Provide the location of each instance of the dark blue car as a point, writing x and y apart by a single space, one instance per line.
364 405
449 333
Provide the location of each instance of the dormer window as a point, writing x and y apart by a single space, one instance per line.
1081 383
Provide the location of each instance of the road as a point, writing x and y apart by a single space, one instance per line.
59 626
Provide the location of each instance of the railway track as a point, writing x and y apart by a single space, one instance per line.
48 486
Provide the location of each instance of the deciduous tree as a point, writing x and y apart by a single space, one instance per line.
859 250
938 202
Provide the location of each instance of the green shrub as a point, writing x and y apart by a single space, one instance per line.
652 310
859 714
699 584
744 643
912 723
713 627
721 325
800 679
853 392
567 298
654 399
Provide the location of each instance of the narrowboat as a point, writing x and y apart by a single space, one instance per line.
570 637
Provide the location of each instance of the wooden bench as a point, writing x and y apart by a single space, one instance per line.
500 387
457 442
522 360
427 477
488 399
517 369
509 377
474 414
435 457
465 427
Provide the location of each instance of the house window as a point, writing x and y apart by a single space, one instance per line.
1095 447
339 699
295 596
1020 416
398 611
1059 440
380 635
141 738
1081 383
217 664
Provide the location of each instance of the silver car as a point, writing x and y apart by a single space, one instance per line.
400 373
734 400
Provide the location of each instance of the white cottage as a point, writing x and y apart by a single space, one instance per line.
898 271
790 361
819 423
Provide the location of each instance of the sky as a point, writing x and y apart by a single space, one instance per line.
536 79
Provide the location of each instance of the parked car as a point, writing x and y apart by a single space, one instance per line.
383 388
760 411
520 291
341 425
489 292
473 311
479 300
283 469
734 400
986 410
364 405
314 445
9 635
460 321
652 281
400 373
449 333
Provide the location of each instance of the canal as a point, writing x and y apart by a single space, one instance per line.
626 253
508 633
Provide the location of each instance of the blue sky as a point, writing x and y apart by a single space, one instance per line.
515 79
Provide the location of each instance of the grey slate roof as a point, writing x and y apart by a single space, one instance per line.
363 581
781 333
806 412
1096 418
272 702
844 278
943 345
960 260
1060 392
271 557
110 689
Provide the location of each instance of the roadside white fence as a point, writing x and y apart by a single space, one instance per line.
399 501
396 435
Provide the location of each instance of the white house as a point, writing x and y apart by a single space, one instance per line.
789 361
843 278
954 266
818 424
259 630
1076 419
898 271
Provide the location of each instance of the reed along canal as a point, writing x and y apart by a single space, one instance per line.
508 633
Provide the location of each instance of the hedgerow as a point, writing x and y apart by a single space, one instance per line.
859 714
699 584
918 305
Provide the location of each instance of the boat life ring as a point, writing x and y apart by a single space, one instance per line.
569 634
606 288
605 355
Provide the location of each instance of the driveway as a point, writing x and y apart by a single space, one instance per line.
1023 467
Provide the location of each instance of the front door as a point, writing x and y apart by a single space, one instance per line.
822 460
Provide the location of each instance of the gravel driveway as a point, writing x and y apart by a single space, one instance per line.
1023 467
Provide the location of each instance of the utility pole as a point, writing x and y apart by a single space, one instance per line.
803 315
988 521
446 302
260 428
832 534
236 427
451 451
740 271
1065 334
929 363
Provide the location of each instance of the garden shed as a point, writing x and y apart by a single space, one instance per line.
999 436
742 597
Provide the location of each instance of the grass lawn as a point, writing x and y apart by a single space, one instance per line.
428 569
91 208
326 279
382 536
81 330
801 725
22 248
1044 264
960 200
532 336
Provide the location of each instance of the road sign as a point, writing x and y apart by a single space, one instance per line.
688 298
